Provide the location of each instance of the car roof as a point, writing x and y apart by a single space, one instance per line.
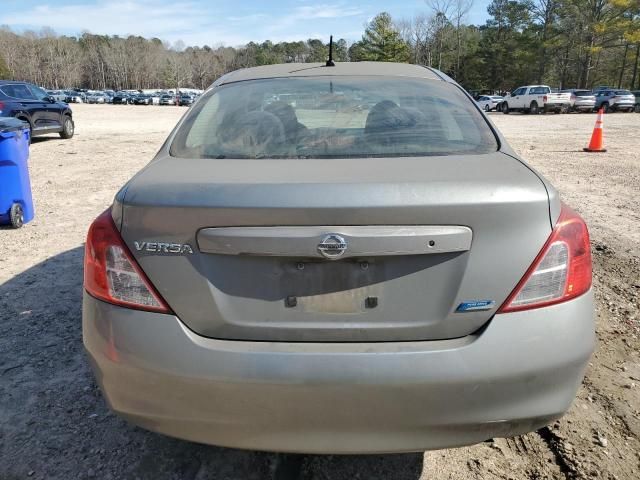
11 82
288 70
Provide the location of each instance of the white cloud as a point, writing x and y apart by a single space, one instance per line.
308 13
116 17
299 23
195 22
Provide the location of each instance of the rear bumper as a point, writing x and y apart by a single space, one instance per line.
556 105
584 106
517 374
622 105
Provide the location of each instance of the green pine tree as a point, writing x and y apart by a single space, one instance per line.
382 42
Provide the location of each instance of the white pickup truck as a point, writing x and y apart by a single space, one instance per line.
536 99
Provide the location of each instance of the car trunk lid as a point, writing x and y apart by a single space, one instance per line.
432 245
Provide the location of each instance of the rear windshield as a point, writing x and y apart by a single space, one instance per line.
329 117
623 92
539 90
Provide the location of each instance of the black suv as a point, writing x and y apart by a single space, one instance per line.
35 106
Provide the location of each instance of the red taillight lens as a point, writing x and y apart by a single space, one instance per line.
111 273
573 97
544 99
560 272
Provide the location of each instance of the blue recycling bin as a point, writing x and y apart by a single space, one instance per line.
16 203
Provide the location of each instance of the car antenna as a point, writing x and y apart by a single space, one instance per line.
330 62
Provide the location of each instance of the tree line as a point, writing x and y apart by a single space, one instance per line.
563 43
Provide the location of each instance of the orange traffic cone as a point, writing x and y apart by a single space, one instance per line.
597 144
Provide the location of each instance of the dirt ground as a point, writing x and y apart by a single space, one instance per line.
55 425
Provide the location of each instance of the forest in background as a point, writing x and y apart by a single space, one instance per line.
562 43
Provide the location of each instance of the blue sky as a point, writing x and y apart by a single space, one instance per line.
212 22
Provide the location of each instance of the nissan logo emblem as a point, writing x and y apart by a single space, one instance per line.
332 246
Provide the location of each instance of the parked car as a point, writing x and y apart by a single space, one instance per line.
186 100
121 98
636 93
581 100
536 99
143 99
96 97
490 102
57 95
167 100
36 107
295 279
73 96
615 100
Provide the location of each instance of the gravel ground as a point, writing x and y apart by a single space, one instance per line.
55 425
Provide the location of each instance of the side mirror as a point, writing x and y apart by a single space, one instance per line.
50 99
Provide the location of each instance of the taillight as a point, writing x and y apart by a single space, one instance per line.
560 272
544 99
1 107
573 97
111 273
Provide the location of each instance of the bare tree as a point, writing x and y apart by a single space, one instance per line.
441 10
10 46
460 10
417 32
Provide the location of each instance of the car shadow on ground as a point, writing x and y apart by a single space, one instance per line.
45 138
55 424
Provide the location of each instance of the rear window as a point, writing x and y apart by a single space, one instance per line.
579 93
333 117
623 92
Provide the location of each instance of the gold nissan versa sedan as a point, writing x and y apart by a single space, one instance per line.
338 259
